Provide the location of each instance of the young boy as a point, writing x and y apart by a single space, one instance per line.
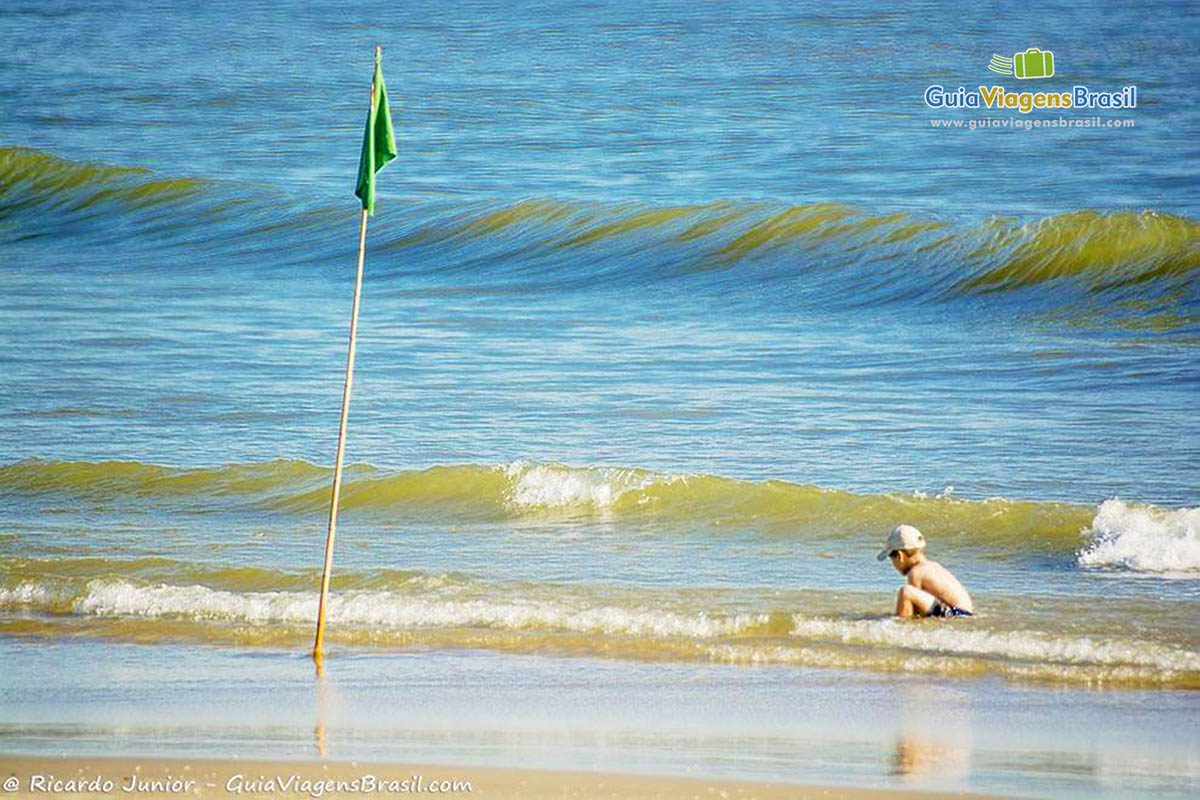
931 590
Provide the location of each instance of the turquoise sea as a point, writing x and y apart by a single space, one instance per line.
671 312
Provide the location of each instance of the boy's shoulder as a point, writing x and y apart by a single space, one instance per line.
925 568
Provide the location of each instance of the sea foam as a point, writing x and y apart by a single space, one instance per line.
556 486
1143 539
515 610
373 609
640 625
1024 645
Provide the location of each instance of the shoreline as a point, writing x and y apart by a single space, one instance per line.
160 777
765 732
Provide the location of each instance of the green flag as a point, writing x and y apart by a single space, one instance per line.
379 140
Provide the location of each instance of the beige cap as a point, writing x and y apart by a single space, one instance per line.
904 537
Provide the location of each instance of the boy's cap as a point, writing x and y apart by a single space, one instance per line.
904 537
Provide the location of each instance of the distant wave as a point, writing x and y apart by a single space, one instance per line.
832 251
153 600
32 178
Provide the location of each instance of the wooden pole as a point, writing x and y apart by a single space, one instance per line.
341 445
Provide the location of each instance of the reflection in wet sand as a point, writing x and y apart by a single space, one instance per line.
322 710
935 736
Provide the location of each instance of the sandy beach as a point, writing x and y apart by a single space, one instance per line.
161 777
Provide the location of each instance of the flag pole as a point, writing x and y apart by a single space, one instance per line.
318 652
341 445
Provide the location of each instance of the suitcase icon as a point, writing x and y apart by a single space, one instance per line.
1033 63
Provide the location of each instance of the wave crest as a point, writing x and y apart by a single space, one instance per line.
30 178
1143 539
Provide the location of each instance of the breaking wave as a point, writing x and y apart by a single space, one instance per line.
1143 539
1133 538
523 491
425 610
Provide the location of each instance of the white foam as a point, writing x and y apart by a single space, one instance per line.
1143 539
964 640
933 663
945 494
552 486
394 611
122 598
519 607
29 593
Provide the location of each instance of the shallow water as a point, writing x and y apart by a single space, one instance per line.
467 708
670 314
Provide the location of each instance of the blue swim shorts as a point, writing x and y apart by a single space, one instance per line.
940 609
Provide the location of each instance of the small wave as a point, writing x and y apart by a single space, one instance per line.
548 486
508 611
30 178
953 665
108 480
1102 251
1143 539
607 621
1021 645
524 490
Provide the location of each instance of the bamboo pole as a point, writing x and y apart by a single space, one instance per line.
341 445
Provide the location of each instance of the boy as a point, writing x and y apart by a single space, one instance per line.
931 590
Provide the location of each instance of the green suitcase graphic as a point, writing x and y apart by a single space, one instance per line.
1033 63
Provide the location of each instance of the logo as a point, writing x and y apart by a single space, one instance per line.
1033 63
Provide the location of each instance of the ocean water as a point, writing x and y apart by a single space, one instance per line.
671 312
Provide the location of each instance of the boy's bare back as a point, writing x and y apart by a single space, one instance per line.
930 576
